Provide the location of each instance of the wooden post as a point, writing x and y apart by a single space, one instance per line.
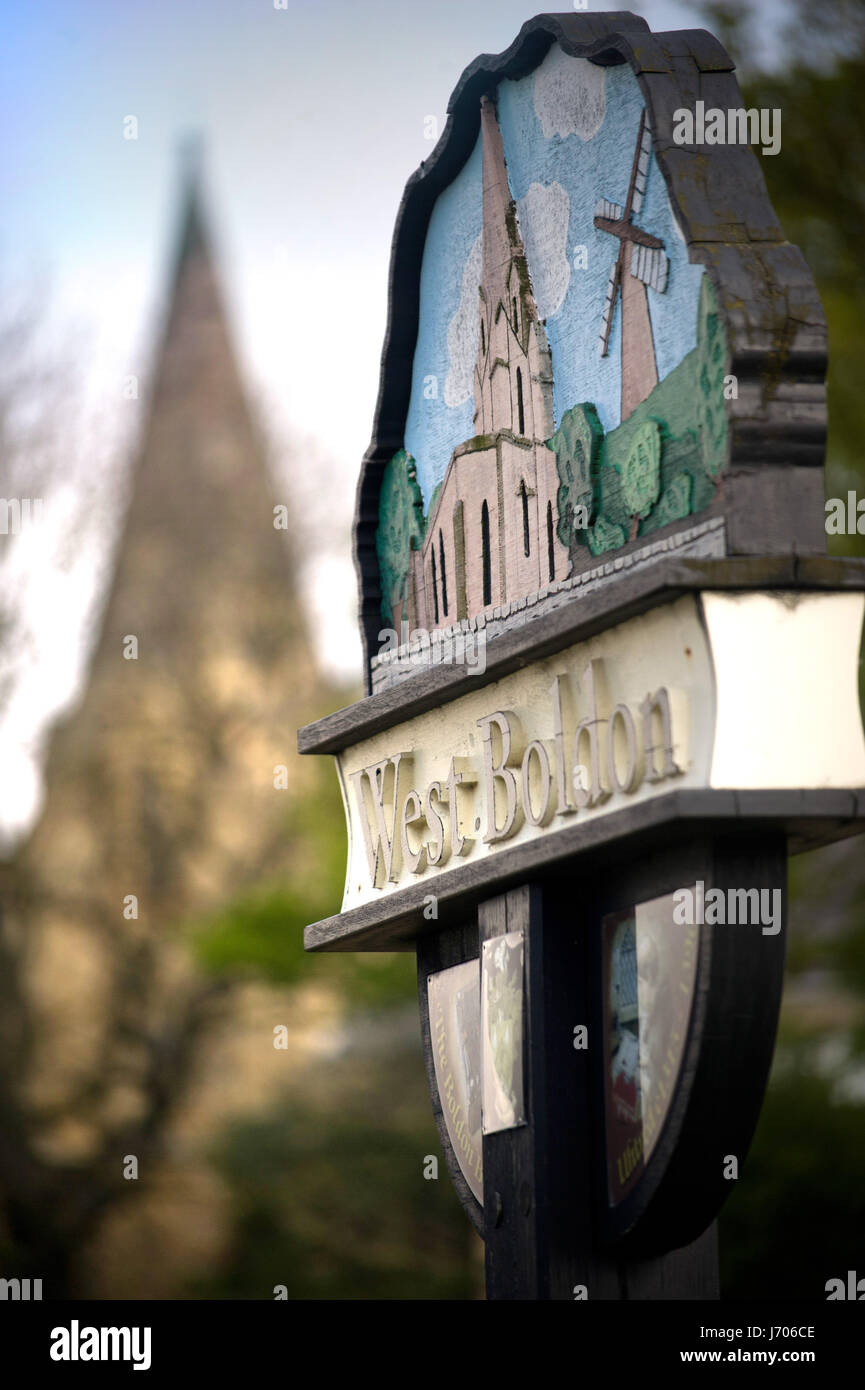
538 1179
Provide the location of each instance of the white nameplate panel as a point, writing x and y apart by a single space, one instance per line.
715 690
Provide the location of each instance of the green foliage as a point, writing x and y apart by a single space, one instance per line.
327 1194
605 535
260 935
676 500
400 530
712 366
795 1217
641 473
817 187
576 444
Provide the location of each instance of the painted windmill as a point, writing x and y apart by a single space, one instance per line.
641 261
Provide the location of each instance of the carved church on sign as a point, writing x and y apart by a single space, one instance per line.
493 533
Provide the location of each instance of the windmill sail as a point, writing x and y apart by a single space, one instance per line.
649 265
607 316
607 211
642 169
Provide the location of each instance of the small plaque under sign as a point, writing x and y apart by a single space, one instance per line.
650 969
504 1104
454 1013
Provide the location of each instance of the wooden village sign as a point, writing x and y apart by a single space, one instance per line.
611 671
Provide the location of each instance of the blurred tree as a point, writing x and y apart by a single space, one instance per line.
171 788
817 187
796 1217
326 1192
261 934
329 1194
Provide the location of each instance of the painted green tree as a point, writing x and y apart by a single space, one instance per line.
711 404
676 501
641 474
400 531
576 444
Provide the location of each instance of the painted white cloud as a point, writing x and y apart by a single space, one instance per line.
570 95
463 333
544 214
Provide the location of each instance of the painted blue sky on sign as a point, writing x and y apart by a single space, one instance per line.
569 131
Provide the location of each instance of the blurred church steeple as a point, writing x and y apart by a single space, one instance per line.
192 239
162 782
